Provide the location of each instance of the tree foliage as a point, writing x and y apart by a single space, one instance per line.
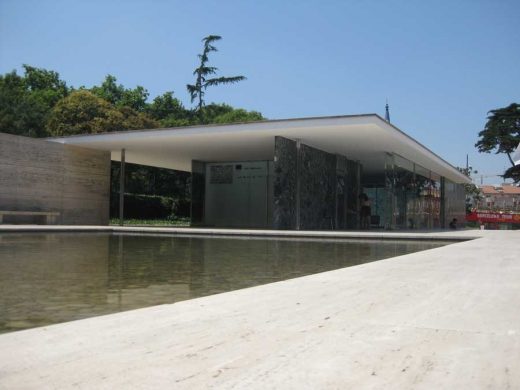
82 112
502 131
120 96
512 173
223 113
473 193
169 111
204 71
38 79
25 101
40 104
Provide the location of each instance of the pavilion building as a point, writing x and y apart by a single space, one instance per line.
305 173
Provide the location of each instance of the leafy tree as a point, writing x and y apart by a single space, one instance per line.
512 173
84 113
502 135
203 71
172 121
473 193
46 81
223 113
239 116
120 96
169 111
13 106
26 101
133 120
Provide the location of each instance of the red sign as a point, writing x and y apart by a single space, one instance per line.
489 216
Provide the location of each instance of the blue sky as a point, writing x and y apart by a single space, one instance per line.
441 64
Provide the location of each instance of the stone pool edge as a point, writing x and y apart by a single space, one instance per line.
448 235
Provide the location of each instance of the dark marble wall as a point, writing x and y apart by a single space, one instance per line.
314 189
352 192
341 192
198 179
347 193
317 189
284 183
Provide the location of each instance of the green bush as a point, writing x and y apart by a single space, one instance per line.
149 207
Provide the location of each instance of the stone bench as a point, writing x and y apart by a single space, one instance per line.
50 216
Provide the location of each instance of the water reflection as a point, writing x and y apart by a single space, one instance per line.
52 278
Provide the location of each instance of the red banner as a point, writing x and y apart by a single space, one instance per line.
490 216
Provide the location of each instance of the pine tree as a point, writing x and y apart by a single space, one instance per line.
202 82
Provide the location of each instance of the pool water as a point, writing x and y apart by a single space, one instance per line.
52 278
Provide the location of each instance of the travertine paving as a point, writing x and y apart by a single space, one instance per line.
446 318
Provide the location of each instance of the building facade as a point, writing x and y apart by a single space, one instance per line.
305 188
306 173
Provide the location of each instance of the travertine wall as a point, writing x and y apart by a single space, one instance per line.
38 175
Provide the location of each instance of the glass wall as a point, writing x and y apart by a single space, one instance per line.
428 209
454 206
405 193
389 200
378 196
411 197
236 194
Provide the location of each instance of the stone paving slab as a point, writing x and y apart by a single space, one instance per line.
446 318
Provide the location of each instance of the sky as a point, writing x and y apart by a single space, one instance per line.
442 65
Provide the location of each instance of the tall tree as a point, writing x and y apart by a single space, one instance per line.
38 79
502 131
203 72
26 101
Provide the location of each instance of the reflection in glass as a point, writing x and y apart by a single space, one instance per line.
412 197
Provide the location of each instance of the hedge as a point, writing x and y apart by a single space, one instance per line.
140 206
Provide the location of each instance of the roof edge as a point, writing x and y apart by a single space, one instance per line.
218 125
465 178
461 176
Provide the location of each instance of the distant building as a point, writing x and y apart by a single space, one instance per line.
505 197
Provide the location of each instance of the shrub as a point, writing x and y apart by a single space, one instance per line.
149 206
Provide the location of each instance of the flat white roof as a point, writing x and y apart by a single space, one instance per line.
366 138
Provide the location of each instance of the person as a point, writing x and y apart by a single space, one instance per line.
453 224
365 211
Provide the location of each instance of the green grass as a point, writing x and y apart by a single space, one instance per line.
152 222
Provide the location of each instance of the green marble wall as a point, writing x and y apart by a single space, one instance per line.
284 183
313 189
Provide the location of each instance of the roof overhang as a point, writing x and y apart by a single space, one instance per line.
367 138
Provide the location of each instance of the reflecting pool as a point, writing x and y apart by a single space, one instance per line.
52 278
